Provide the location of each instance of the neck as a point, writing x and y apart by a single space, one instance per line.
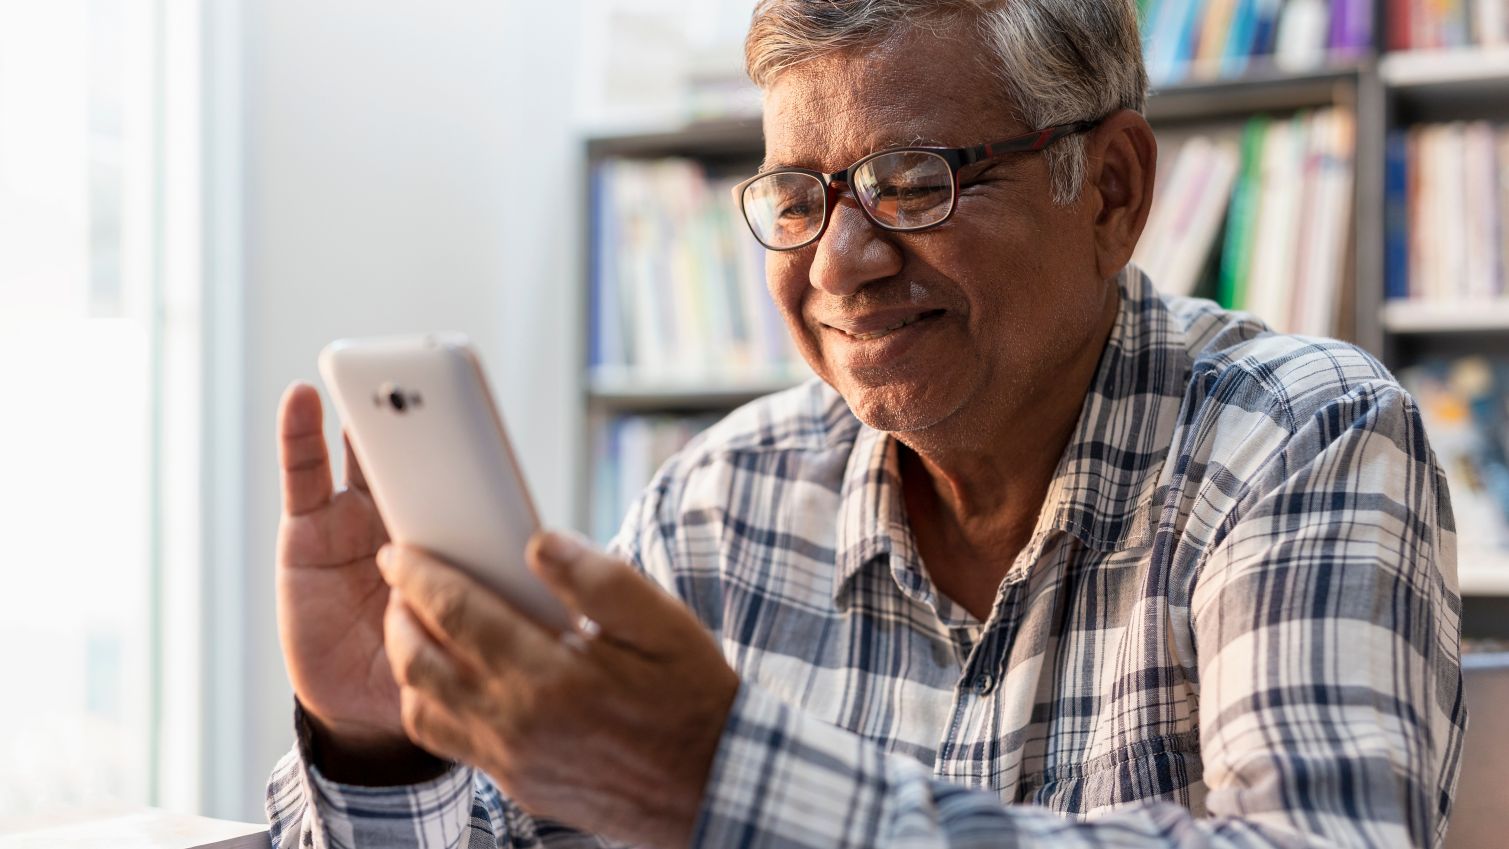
975 483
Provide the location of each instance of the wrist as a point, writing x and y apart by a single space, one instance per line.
701 755
366 760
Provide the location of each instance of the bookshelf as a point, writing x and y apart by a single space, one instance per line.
1483 572
1382 93
613 392
1447 71
1421 318
622 389
1261 90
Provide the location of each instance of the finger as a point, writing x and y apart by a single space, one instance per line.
420 662
356 481
625 605
467 618
431 726
302 454
355 477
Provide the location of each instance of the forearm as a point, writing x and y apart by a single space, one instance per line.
782 779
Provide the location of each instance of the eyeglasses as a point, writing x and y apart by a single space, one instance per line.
902 189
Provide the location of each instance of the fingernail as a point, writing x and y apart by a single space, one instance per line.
562 548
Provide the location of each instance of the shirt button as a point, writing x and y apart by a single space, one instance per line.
983 683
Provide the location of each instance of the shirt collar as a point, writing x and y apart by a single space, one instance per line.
1104 488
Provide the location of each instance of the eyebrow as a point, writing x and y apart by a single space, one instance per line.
887 143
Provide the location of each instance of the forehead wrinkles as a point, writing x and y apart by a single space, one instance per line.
833 110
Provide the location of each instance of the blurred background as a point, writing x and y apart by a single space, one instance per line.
196 196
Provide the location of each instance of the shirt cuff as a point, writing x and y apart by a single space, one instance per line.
783 779
434 812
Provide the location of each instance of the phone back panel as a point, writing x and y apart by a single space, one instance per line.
438 461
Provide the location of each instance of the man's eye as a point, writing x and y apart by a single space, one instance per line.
914 196
799 209
912 192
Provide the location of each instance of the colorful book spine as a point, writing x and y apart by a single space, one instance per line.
1396 211
677 286
1446 24
1206 39
1449 185
1289 222
1237 248
1186 219
1351 27
1265 35
1462 402
627 451
1239 38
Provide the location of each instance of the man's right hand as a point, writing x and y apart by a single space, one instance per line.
331 600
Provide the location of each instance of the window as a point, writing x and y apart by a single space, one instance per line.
88 315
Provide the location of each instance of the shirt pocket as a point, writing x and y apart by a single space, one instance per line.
1161 769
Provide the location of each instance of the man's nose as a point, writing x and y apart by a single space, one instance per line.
853 252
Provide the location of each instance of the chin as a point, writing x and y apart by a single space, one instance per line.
899 406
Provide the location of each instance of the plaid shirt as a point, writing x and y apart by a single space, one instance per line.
1235 624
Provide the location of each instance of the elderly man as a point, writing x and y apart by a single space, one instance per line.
1043 559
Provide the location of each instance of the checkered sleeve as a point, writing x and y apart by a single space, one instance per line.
1326 625
461 809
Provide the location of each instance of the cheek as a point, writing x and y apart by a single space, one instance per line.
785 275
786 280
1025 273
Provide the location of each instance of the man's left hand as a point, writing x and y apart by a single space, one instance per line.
611 730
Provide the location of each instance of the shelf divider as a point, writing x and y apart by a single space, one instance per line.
1406 69
1483 572
1422 317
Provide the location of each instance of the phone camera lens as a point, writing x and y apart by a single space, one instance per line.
397 400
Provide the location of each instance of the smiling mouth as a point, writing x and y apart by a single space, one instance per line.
889 329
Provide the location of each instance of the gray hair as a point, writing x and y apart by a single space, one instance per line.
1058 61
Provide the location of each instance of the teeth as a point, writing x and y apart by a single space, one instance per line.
876 334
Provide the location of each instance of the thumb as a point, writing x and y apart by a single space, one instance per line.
625 605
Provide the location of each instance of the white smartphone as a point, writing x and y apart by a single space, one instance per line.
437 459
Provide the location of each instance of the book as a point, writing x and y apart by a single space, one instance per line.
1239 38
1237 245
1447 24
1448 195
1302 34
1321 262
1209 39
1502 148
1265 33
677 287
1490 22
1288 214
1351 27
1480 216
1215 35
627 451
1186 218
1396 213
1462 403
1269 283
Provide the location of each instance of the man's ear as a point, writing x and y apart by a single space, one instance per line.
1122 160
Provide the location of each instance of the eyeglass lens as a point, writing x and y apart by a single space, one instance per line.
904 190
785 209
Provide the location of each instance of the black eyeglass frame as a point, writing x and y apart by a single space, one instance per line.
956 157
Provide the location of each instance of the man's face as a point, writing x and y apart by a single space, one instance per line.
971 318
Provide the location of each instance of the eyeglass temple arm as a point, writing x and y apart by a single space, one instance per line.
1026 143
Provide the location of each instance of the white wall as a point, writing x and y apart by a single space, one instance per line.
382 144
